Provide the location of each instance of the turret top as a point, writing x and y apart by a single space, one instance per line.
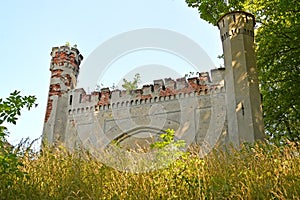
235 15
236 23
66 53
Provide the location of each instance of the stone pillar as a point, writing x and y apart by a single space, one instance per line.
244 111
64 69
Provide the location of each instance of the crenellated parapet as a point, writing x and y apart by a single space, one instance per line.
160 91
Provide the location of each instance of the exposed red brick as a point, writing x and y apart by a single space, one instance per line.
104 98
56 73
193 82
68 80
167 92
48 109
55 90
146 96
62 57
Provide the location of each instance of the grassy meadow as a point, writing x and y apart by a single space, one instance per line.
261 171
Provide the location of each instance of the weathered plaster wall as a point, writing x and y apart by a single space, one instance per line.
137 118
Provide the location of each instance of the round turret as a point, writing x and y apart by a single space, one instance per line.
64 67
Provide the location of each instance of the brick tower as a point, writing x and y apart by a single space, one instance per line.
64 69
243 101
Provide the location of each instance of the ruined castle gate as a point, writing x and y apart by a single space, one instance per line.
224 108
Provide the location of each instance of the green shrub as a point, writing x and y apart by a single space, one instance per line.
10 163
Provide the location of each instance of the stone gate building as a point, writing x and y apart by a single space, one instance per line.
221 108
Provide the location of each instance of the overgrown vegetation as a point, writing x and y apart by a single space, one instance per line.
261 171
132 85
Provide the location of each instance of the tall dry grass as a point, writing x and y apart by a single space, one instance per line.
261 171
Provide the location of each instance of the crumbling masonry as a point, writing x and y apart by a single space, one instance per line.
221 109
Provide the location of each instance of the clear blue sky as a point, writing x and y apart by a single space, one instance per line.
29 29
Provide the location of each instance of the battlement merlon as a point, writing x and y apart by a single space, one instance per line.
66 57
218 75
